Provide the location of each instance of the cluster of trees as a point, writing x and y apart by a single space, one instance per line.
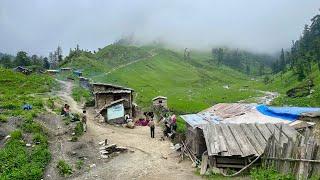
34 61
247 62
22 59
75 53
304 52
56 57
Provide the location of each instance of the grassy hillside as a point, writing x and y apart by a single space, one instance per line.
191 85
288 80
16 160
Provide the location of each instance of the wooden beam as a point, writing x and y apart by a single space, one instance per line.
291 159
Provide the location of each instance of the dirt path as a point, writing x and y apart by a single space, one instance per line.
152 53
151 159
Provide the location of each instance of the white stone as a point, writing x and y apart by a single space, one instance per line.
28 145
104 156
93 165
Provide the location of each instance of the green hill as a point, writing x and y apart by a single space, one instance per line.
191 85
282 82
17 161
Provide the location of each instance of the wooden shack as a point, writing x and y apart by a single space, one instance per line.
52 71
65 69
84 83
160 101
230 145
106 94
235 145
116 111
23 70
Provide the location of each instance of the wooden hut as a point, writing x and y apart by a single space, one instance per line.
115 111
52 71
23 70
106 94
84 83
65 69
231 144
160 101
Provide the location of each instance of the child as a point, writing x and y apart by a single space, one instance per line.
151 125
84 121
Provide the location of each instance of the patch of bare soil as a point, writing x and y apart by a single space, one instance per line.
7 127
147 159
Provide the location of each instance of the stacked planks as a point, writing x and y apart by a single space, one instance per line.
244 140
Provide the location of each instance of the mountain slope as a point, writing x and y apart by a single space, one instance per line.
191 85
282 82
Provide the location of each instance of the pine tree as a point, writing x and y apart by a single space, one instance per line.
22 59
282 61
6 61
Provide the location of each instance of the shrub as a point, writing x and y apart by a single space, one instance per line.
3 118
78 129
181 125
269 173
64 168
17 134
79 164
79 94
43 140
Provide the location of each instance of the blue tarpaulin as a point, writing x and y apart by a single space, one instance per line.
287 113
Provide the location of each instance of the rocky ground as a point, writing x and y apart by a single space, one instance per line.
146 158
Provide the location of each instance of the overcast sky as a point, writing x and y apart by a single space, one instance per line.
38 26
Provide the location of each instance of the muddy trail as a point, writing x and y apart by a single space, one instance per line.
146 159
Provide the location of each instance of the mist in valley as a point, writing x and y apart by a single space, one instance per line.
261 26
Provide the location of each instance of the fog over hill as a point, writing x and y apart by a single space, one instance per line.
264 26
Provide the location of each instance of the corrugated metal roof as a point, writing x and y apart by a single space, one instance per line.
112 92
111 104
228 110
112 85
159 97
226 139
199 120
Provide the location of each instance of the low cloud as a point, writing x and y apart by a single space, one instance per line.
38 26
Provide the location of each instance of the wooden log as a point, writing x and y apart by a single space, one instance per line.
287 153
293 160
301 163
309 153
316 167
204 164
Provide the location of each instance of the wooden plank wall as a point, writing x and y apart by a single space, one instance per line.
299 157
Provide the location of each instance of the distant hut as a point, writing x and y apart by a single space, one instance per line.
52 71
160 101
77 73
65 69
84 83
23 70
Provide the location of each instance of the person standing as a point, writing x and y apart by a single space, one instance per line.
152 127
84 120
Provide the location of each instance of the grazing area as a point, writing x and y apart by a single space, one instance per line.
191 84
24 153
94 90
